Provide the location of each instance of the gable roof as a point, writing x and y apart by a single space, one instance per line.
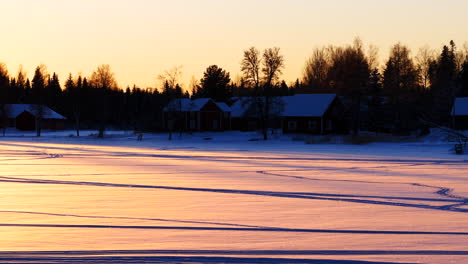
188 105
299 105
223 106
460 107
307 104
240 106
14 110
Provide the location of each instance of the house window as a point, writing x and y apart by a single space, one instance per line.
226 114
215 124
312 125
192 124
292 125
193 115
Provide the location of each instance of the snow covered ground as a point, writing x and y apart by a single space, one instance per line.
225 198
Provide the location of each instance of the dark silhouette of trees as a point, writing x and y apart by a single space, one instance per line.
345 71
20 88
53 91
398 93
214 84
400 74
401 83
349 76
443 82
4 96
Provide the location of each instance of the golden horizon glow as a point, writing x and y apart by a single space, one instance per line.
142 38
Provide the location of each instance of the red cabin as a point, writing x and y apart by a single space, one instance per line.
201 114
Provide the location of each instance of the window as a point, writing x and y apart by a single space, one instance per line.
292 125
193 115
192 124
312 125
215 124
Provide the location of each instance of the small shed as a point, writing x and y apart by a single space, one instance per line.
460 113
26 116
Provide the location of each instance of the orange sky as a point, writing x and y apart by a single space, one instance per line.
142 38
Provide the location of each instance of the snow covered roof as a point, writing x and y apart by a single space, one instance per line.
307 104
187 105
14 110
295 105
223 106
239 107
460 108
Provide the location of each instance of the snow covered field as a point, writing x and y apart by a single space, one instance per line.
220 198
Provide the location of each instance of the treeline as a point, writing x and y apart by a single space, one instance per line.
394 96
399 94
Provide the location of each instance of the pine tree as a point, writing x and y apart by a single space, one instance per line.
443 87
38 93
214 84
53 91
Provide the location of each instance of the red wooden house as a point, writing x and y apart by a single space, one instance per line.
201 114
460 113
312 113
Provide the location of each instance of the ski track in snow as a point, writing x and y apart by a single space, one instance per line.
332 197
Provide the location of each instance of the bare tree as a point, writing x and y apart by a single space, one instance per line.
373 57
461 56
316 69
270 64
171 88
250 67
424 58
194 85
171 77
464 50
103 79
273 63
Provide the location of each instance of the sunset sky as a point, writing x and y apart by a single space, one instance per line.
142 38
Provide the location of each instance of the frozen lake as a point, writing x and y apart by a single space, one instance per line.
64 200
